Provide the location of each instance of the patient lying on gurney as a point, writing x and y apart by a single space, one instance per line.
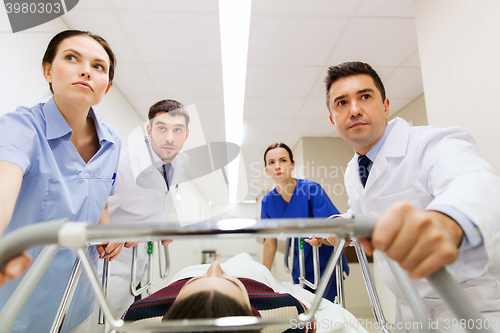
213 291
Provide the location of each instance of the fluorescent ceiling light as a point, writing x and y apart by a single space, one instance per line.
234 17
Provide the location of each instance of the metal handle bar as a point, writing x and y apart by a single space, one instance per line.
411 294
23 291
62 311
133 272
229 228
164 271
370 287
339 274
76 234
38 234
290 242
101 320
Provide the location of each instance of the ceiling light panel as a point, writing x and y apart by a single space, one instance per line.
293 41
373 40
267 107
106 24
263 81
310 7
187 80
386 8
175 38
166 5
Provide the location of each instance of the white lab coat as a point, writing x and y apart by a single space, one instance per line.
426 167
141 196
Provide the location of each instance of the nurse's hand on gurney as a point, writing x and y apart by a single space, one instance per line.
318 241
132 244
109 250
420 241
15 267
112 249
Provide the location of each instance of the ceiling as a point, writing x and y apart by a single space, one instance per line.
172 49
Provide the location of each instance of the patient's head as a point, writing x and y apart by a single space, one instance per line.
212 295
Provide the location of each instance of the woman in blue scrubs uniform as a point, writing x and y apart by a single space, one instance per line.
58 160
295 198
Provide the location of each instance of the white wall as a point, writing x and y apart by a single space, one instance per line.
115 111
22 81
459 52
414 113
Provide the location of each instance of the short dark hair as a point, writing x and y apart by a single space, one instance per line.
278 145
346 69
168 105
51 51
208 304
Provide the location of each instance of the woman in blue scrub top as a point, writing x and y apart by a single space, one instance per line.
58 160
295 198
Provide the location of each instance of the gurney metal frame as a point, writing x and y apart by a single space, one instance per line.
289 255
76 235
378 313
164 269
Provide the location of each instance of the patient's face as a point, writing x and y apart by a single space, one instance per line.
216 279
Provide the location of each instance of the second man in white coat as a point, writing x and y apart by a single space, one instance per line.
146 184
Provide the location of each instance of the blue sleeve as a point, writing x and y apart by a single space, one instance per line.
319 203
263 210
18 139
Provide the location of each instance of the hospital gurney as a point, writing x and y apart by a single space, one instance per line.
78 235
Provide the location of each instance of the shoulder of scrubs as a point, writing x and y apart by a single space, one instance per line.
319 202
21 132
265 201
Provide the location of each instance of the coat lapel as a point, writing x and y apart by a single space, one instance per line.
151 178
395 146
180 164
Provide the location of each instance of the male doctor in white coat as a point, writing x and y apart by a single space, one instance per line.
439 203
145 189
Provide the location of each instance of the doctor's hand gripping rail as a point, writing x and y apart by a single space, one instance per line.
76 235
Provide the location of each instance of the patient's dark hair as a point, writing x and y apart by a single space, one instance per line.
208 304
